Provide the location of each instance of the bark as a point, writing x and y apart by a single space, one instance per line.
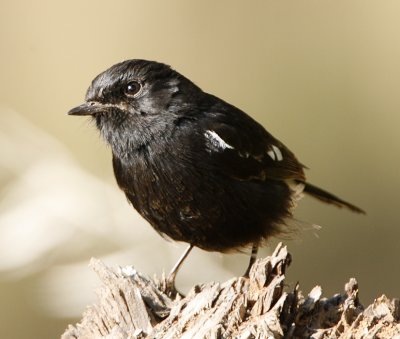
131 305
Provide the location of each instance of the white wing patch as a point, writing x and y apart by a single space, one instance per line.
275 153
216 142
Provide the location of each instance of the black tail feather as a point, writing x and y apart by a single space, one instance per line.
329 198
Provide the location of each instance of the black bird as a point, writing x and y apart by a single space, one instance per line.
198 169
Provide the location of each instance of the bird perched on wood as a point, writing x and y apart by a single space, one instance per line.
198 169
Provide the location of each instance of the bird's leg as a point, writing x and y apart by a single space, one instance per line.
175 269
253 258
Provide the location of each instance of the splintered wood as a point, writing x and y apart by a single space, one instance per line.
133 306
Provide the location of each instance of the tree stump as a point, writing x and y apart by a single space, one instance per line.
131 305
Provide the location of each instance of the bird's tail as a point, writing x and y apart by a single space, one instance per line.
329 198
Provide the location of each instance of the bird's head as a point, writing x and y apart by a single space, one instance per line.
136 101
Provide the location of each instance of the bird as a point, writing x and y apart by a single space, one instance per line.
198 169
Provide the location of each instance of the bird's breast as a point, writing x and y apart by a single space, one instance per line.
188 200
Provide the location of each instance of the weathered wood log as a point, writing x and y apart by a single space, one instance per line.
132 305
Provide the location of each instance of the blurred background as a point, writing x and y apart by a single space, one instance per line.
322 76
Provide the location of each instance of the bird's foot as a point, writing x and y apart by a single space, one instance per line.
169 288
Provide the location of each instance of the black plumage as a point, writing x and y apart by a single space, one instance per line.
197 168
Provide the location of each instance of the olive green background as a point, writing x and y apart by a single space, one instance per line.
321 76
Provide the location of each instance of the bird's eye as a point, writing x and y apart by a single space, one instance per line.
132 88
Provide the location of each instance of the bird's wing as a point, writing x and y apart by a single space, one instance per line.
244 150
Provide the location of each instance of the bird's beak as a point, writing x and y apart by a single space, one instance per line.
87 108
